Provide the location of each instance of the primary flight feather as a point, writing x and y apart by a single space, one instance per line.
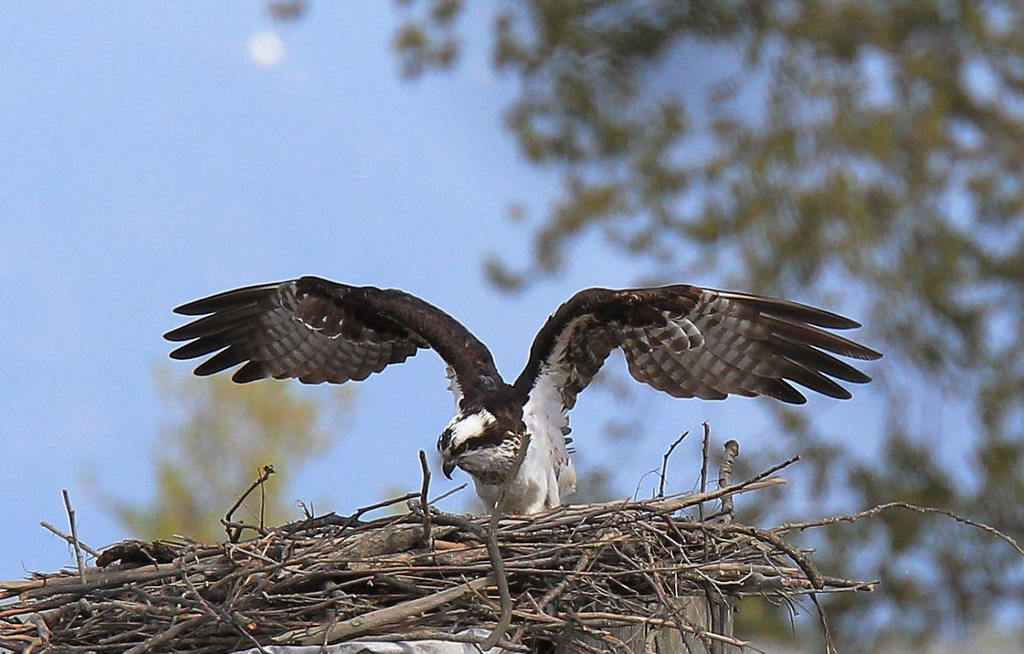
684 340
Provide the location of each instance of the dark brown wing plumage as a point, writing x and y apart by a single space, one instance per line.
695 342
317 331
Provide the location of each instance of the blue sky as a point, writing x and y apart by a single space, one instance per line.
149 159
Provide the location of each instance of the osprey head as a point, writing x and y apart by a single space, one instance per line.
476 441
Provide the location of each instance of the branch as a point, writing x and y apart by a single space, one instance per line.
830 643
869 513
411 636
233 534
664 462
768 536
168 634
559 588
215 611
704 466
447 494
619 619
390 615
732 450
424 489
672 504
342 521
74 534
68 537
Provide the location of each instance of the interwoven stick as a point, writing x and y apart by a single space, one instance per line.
381 617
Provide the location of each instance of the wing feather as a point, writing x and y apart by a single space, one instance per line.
316 331
695 342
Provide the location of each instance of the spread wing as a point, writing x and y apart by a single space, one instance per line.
316 330
694 342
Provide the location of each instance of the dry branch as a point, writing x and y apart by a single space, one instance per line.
74 535
424 503
67 537
664 462
732 450
234 530
875 510
384 617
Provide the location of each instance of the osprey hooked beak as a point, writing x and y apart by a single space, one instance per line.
447 466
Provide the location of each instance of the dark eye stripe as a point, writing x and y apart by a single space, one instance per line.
493 436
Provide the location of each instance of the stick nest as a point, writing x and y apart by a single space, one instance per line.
577 573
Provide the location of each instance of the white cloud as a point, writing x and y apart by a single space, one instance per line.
266 48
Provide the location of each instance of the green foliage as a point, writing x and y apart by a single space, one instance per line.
429 42
220 437
863 149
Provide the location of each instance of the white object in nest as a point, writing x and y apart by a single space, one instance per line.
375 647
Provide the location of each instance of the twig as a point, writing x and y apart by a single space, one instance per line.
769 536
621 619
680 620
380 505
168 634
330 625
446 494
759 480
495 553
236 529
74 534
42 628
71 541
830 643
216 611
555 592
341 521
775 468
664 462
405 586
410 636
390 615
233 534
873 511
263 504
424 489
40 588
732 450
704 466
720 608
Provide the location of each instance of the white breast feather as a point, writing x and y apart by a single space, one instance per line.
548 463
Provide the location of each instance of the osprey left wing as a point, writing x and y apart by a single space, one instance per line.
694 342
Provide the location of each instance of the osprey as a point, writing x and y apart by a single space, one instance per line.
684 340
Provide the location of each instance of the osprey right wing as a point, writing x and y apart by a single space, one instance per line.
316 330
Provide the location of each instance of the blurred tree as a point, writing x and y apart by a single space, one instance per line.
221 436
870 151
